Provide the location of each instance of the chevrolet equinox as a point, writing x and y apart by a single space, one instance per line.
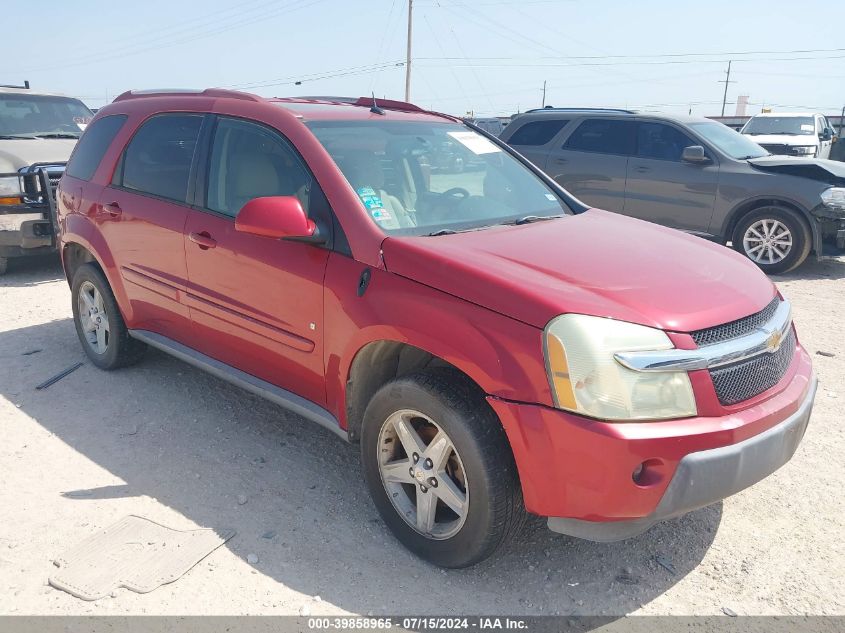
496 348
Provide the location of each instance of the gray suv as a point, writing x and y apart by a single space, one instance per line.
691 174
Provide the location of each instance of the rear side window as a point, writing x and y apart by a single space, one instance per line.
537 132
603 136
158 159
658 141
94 142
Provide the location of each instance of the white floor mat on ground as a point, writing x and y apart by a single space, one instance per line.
135 553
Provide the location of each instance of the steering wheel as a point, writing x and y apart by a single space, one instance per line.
457 193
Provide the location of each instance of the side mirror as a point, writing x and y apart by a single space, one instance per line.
279 217
825 135
694 154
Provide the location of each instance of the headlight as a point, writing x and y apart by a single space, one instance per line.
10 187
805 150
834 198
585 377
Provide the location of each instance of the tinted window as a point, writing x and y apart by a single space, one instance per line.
605 136
158 158
537 132
250 161
661 142
93 144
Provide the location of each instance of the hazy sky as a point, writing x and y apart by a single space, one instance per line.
489 56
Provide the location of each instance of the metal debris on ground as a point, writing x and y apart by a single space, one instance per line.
59 376
31 352
826 354
666 564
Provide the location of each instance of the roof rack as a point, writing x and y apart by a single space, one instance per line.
187 92
551 109
366 102
25 86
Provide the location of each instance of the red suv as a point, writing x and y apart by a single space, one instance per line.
495 347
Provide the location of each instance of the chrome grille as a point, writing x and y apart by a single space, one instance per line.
746 379
735 329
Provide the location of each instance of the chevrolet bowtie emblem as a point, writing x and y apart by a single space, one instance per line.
774 341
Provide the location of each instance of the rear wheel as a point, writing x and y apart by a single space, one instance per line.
98 321
439 468
775 238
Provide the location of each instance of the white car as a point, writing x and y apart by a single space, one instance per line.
792 133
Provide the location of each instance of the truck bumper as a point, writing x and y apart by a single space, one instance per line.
25 234
609 481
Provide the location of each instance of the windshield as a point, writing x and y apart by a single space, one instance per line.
729 141
35 116
418 178
790 125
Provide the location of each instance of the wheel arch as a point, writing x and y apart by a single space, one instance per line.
750 205
376 363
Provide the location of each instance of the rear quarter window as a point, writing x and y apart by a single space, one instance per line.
537 132
92 146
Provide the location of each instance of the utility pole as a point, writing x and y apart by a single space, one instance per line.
544 94
726 80
408 55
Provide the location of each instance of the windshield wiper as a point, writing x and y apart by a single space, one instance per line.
528 219
7 137
57 135
441 232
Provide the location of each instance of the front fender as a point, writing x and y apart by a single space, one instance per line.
503 356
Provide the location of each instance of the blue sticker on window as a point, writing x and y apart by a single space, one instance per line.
370 198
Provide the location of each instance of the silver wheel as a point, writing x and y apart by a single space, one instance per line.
422 474
767 241
93 318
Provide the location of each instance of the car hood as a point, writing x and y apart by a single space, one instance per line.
783 139
828 171
595 263
17 153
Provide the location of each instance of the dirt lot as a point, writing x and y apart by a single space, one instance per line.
170 443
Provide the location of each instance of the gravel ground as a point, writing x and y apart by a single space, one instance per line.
175 445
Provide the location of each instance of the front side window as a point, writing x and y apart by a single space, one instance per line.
158 159
250 161
782 125
42 116
94 142
659 141
728 141
603 136
421 177
537 132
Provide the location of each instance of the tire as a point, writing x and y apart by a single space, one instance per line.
116 348
4 265
774 257
481 463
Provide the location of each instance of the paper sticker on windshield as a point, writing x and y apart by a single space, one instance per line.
474 142
82 121
381 215
807 127
551 197
370 198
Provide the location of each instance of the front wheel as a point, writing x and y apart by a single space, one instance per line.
440 469
775 238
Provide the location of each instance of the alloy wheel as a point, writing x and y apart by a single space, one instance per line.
423 475
93 318
767 241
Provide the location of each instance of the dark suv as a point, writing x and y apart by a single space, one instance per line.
692 174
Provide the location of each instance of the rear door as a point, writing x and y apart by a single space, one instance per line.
142 215
256 302
663 188
592 163
533 139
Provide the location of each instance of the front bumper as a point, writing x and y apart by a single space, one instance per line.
580 472
25 234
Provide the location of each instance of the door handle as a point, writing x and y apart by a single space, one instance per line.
203 240
113 209
642 169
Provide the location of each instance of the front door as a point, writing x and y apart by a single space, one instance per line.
142 216
663 188
256 302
